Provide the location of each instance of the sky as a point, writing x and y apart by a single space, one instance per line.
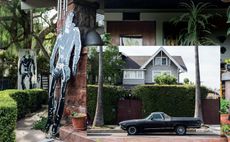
209 61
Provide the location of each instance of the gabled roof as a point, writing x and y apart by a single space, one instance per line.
180 61
135 62
167 54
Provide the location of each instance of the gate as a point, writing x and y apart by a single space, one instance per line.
211 108
129 109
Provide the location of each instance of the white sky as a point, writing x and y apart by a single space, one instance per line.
209 61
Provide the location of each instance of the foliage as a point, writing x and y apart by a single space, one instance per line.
15 34
15 104
175 100
198 26
78 115
27 100
111 95
112 63
186 81
227 61
165 79
225 128
40 124
224 106
8 117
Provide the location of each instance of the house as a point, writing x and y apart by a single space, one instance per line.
144 69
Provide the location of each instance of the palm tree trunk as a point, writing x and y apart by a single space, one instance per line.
198 107
99 117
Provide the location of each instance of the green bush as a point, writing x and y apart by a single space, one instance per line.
175 100
224 106
15 104
40 124
165 79
28 100
111 95
8 116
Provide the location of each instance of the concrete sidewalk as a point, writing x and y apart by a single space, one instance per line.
24 131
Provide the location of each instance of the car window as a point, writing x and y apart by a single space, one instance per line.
156 117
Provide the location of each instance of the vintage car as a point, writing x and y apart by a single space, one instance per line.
158 121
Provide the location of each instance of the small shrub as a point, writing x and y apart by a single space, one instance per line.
40 124
165 79
224 106
225 129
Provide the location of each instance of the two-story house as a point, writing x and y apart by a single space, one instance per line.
144 69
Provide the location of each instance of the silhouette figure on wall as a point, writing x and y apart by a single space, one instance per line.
68 41
26 69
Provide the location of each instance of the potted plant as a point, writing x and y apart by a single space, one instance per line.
224 108
79 120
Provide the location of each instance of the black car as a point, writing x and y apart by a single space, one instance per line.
160 121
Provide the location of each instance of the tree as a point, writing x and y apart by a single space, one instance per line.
165 79
112 64
196 34
16 33
99 116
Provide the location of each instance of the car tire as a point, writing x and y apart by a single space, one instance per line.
132 130
180 130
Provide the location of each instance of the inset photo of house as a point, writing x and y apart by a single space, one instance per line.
144 64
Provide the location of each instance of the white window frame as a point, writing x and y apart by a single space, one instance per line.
161 61
133 74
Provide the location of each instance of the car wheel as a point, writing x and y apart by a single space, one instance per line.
132 130
180 130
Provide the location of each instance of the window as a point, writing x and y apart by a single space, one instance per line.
131 40
133 74
157 117
161 61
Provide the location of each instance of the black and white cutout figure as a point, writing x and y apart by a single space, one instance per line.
26 69
68 41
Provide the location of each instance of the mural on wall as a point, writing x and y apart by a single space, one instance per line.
27 69
67 41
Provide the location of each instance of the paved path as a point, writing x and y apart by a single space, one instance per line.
24 131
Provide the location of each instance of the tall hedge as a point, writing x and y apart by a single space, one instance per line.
15 104
175 100
8 117
111 95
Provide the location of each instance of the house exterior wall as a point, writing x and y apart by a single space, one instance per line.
151 68
158 17
133 81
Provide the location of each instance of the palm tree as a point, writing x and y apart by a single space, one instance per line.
99 116
196 34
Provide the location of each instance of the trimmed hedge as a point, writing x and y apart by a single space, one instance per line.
8 117
175 100
15 104
111 95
